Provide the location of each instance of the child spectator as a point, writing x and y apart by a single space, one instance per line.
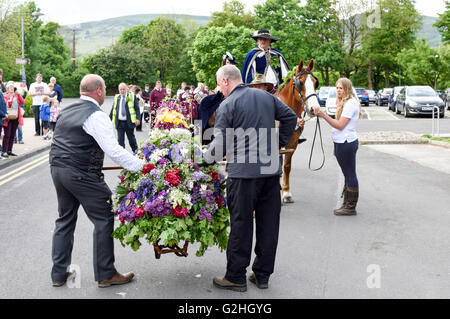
54 113
45 116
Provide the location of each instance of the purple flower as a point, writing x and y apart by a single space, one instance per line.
163 161
205 214
131 196
148 151
199 176
163 143
176 153
208 196
158 207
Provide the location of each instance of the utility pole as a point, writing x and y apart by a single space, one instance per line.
74 58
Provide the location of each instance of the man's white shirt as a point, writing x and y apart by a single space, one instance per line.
100 127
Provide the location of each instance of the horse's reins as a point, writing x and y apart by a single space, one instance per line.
296 79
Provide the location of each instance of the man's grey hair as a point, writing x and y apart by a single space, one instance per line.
123 84
90 83
229 72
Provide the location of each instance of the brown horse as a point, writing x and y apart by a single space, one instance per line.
297 93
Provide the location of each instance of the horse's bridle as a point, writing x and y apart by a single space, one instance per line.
298 86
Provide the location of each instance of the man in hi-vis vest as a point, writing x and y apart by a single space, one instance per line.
125 114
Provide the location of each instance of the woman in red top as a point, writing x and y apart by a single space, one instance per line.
14 101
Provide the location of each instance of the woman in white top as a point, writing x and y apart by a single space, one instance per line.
346 142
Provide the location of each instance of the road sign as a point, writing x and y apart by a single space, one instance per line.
23 61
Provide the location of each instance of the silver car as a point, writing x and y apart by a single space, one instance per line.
330 104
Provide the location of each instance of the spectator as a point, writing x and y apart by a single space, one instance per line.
38 90
200 93
186 94
53 94
180 91
55 110
125 116
45 116
137 93
14 102
2 112
191 107
168 91
228 59
3 87
146 97
23 91
156 96
58 89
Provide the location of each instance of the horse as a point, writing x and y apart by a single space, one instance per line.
298 92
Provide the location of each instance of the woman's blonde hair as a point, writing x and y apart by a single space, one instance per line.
348 94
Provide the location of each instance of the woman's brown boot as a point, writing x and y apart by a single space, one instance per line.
352 201
344 203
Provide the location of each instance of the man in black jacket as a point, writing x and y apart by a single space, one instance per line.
245 131
125 115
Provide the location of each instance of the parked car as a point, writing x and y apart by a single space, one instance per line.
323 95
441 94
372 96
330 105
393 98
363 96
383 96
419 100
447 98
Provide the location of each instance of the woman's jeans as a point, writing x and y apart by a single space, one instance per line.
346 157
19 135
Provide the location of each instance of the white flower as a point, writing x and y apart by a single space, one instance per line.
158 154
176 197
203 187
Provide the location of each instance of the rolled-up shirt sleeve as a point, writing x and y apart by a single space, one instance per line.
100 127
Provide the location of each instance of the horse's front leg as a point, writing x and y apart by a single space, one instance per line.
286 195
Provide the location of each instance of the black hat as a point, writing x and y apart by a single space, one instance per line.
264 34
229 57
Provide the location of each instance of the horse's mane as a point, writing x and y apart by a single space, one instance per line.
287 78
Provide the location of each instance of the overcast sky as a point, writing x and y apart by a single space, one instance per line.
77 11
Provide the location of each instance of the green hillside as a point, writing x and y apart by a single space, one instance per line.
100 34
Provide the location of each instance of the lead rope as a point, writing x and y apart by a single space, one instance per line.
318 128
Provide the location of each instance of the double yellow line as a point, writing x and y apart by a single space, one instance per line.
23 169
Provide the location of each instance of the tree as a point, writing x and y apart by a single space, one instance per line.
122 63
321 24
10 48
165 38
211 44
443 23
233 12
283 19
399 21
423 64
134 35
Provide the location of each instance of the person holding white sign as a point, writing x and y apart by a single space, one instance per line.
38 90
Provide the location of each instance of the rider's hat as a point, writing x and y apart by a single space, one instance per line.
229 57
261 79
264 34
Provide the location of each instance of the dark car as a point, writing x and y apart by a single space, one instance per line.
383 96
441 94
363 96
323 95
419 100
393 98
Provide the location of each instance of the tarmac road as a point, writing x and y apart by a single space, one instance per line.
397 246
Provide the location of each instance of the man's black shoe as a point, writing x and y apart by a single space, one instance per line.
12 154
258 284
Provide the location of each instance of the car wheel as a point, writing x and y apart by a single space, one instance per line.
441 115
405 112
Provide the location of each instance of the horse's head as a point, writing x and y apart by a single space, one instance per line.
306 84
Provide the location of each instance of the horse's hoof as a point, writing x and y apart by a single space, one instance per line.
288 200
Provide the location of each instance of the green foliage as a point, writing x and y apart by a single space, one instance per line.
443 23
170 231
211 44
122 63
232 12
28 106
134 35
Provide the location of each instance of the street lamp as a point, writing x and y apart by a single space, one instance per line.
22 71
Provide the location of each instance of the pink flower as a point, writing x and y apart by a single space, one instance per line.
214 176
140 212
180 211
148 168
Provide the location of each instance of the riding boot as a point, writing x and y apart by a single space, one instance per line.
350 208
344 203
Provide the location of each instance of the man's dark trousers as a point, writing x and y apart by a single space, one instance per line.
37 119
75 187
244 196
124 128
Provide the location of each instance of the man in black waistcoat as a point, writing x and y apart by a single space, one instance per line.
83 134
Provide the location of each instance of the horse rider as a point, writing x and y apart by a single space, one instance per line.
265 60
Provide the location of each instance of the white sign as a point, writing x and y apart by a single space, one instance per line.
23 61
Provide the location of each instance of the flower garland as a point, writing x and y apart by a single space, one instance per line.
173 198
